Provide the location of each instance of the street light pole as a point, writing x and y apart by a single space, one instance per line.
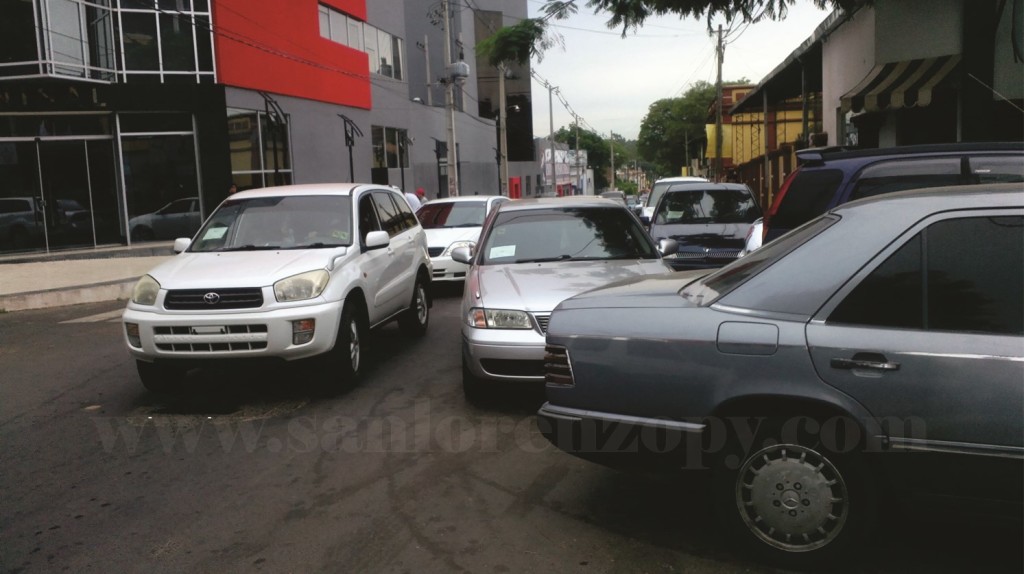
502 133
551 138
449 103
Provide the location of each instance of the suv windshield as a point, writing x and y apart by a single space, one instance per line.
283 222
707 206
587 233
452 214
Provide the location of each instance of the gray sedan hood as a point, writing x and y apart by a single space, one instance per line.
659 291
538 287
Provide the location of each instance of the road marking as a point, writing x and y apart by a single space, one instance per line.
97 317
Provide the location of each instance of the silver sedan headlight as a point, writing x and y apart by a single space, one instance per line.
145 291
457 244
498 319
302 286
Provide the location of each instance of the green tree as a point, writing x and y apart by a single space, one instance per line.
668 125
598 151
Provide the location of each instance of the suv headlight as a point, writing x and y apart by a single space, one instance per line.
498 319
145 291
457 244
302 286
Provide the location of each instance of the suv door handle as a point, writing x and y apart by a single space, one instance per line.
873 361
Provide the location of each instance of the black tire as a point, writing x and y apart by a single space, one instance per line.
414 321
159 378
474 389
792 501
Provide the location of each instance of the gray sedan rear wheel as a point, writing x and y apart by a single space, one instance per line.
794 503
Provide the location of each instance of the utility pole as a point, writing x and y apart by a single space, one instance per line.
426 58
718 111
579 174
611 142
686 146
551 138
449 103
502 133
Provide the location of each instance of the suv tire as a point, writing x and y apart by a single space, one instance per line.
414 320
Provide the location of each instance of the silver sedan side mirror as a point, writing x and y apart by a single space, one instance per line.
667 247
181 244
462 255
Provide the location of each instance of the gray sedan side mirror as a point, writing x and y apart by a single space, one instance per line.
667 247
462 255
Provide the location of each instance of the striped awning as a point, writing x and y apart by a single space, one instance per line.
901 84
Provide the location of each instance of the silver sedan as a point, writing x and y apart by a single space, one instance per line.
533 254
878 348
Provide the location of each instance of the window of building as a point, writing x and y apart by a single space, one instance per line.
960 275
388 147
260 149
169 42
385 51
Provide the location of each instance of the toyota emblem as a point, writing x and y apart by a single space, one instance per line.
211 298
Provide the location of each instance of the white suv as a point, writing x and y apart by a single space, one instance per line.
285 273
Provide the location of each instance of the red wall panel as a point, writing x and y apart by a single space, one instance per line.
275 46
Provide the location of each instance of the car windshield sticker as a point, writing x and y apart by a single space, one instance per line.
502 251
215 233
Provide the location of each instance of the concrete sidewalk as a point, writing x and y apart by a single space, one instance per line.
37 281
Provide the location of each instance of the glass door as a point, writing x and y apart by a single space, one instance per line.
64 175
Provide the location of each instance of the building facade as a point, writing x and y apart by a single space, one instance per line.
128 120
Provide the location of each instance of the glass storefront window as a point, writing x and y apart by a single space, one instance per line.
176 43
161 187
140 44
253 141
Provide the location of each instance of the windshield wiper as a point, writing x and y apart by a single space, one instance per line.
317 245
251 247
565 257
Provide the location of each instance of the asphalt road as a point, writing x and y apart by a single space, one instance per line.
248 472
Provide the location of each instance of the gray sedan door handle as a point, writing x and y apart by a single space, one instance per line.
865 361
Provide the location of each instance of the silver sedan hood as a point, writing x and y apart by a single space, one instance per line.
539 287
660 291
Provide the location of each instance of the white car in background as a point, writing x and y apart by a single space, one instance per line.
454 222
660 186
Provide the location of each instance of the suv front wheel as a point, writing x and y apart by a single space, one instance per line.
414 320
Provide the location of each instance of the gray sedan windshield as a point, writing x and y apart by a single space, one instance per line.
283 222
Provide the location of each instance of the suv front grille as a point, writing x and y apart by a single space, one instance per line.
435 251
201 299
557 370
209 339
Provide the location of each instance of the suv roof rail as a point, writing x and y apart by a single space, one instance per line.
846 153
813 155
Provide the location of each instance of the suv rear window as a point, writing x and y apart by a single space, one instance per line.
809 196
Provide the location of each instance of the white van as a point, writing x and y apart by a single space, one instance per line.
659 189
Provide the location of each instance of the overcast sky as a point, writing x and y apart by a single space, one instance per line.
611 81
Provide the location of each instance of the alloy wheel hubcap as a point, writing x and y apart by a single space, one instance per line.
353 344
792 498
421 305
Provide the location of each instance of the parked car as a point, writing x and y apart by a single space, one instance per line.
813 382
615 195
454 222
833 176
178 218
659 188
283 273
708 220
533 253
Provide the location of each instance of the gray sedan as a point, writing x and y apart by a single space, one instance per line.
533 253
878 348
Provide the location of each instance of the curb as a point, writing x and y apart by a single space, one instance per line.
95 293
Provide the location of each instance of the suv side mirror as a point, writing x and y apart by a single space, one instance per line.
667 247
181 244
462 255
377 240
